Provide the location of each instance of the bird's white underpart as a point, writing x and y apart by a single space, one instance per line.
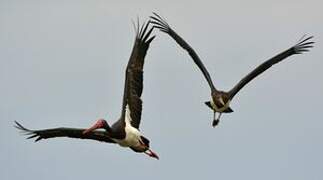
132 138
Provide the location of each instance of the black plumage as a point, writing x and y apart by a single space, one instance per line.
220 100
125 131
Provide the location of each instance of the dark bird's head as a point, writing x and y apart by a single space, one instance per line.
144 147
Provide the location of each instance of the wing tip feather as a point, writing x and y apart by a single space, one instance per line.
141 31
303 44
27 132
160 23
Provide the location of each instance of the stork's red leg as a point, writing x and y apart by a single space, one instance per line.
100 123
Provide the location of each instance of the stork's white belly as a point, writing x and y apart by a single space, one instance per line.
132 138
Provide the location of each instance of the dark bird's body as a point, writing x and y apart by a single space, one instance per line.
125 131
220 100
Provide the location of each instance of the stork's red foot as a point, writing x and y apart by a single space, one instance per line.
100 123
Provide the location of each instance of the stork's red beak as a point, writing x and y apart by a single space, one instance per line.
151 154
99 124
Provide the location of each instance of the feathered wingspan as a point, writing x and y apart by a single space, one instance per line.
64 132
163 26
134 75
302 46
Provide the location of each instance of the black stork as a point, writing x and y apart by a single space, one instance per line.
220 100
125 131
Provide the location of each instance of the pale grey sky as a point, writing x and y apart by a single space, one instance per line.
63 63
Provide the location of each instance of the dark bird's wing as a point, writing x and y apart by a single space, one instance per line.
302 46
132 104
162 25
64 132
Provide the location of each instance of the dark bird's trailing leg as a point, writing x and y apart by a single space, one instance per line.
216 120
100 123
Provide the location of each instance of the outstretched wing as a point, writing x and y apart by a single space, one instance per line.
302 46
64 132
132 104
162 25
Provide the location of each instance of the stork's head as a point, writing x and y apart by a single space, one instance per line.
144 147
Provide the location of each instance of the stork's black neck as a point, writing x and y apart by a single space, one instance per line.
107 127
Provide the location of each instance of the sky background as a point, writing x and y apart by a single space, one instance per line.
62 64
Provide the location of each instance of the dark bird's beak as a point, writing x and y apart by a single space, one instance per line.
151 154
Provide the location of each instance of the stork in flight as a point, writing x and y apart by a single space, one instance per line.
125 131
220 100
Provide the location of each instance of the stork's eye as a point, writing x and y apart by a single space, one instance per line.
145 141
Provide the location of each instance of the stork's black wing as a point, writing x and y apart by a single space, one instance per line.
302 46
163 26
64 132
132 104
